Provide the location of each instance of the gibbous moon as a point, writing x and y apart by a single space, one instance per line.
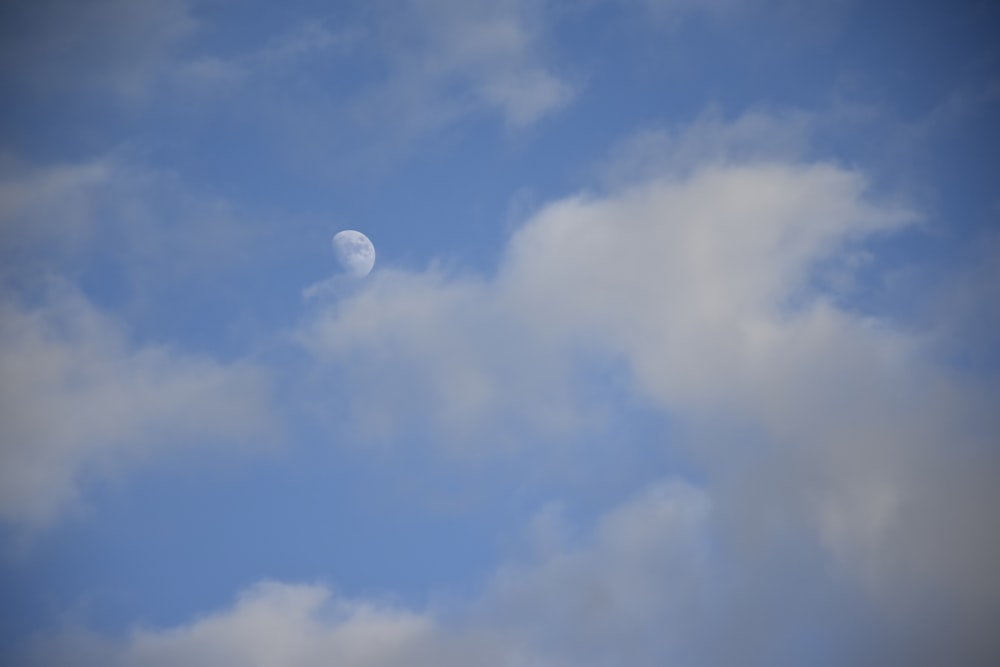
354 252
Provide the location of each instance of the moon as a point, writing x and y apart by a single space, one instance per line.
354 252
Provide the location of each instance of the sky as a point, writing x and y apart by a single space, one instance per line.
680 346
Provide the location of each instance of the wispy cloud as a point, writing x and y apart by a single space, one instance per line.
115 46
78 399
81 396
311 40
449 59
756 136
145 223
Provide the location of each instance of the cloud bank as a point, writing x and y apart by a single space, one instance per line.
816 425
842 506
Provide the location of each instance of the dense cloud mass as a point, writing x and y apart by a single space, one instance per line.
817 426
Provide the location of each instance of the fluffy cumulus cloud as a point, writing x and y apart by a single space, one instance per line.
579 604
659 579
276 624
819 428
78 398
662 578
454 359
629 591
698 281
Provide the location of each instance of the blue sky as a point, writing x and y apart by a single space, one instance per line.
679 348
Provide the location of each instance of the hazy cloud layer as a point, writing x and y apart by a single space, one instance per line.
108 46
79 398
571 605
294 625
818 481
115 220
660 579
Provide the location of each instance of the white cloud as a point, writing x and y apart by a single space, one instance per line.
450 58
570 607
645 587
63 218
306 39
814 423
311 40
626 594
660 579
78 398
706 284
694 279
48 205
711 139
434 355
275 624
691 280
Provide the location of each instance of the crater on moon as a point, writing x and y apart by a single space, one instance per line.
354 252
